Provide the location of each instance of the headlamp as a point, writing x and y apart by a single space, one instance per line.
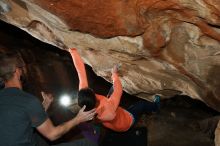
65 100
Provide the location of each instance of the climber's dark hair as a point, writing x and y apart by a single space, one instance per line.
86 96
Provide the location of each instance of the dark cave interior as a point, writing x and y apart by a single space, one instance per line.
50 69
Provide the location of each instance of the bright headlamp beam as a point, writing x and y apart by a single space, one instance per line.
65 100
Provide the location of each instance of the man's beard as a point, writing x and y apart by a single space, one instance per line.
2 84
23 80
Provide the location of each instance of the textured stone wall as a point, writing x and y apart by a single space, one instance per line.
163 46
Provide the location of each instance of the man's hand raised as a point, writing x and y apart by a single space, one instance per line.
47 100
84 116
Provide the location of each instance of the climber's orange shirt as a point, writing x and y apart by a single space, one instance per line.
116 119
108 110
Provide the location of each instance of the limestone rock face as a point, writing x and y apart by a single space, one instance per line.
168 47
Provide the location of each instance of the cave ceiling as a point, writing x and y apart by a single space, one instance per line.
162 46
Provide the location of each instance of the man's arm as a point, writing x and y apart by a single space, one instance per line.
117 92
80 68
51 132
